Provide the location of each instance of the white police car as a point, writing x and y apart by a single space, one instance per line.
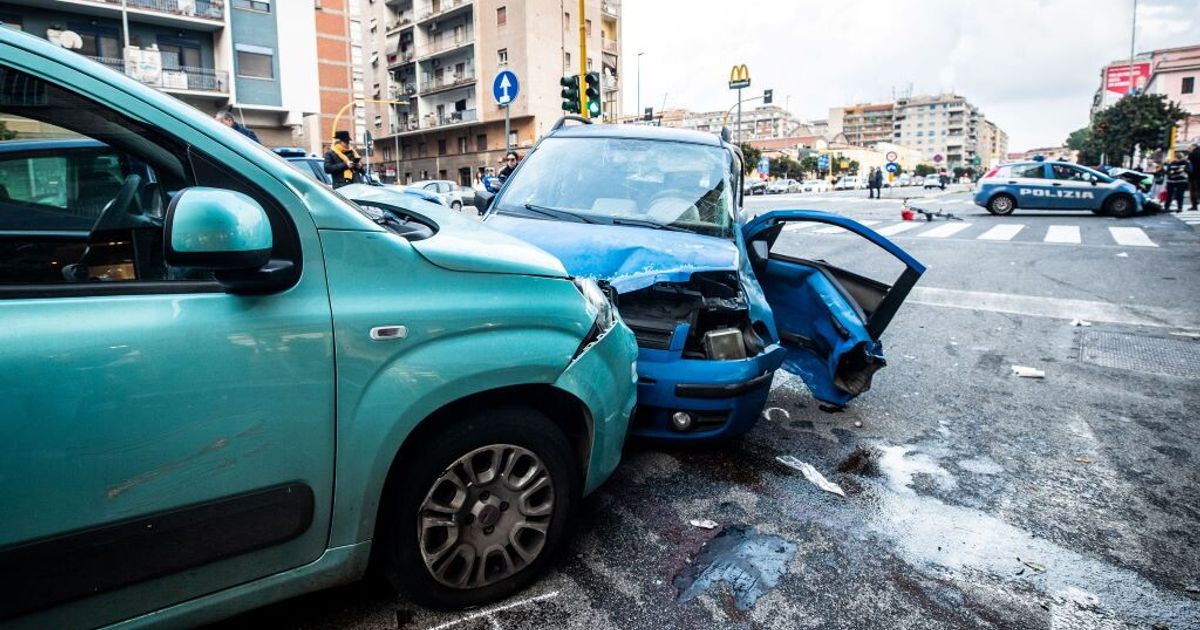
1043 185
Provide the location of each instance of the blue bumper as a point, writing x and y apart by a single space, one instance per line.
724 398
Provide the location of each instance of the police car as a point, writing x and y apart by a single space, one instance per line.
1044 185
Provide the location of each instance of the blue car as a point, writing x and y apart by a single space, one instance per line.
654 215
1043 185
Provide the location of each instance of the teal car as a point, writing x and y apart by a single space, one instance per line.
224 384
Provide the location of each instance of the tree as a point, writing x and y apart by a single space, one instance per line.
752 156
1081 140
5 132
924 169
808 164
1133 121
784 166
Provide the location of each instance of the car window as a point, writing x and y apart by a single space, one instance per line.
1067 172
1031 171
1003 171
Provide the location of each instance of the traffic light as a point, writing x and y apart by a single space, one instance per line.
1166 138
593 94
570 93
768 96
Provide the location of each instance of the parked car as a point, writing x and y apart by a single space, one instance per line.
311 165
1047 185
225 385
850 182
783 186
933 181
449 192
904 179
715 308
755 187
815 185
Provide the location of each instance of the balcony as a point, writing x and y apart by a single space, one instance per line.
403 91
447 44
400 58
179 79
412 124
610 47
202 9
433 86
443 8
608 10
399 25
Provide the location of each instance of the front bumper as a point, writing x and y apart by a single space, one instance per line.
603 376
725 398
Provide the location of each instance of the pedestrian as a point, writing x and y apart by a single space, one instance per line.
877 182
1178 171
226 117
1194 176
342 162
510 164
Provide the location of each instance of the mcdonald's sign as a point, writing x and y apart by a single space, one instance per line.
739 77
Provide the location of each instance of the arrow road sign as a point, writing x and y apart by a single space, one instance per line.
892 167
505 87
823 162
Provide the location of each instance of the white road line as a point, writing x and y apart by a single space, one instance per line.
898 228
1003 232
793 226
944 230
487 612
1058 308
1063 234
833 229
1131 237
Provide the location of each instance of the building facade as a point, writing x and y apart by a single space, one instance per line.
340 71
1175 73
211 54
863 124
429 66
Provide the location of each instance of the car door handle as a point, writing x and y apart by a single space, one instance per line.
1056 184
1012 181
387 333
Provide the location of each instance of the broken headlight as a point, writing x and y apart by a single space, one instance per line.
598 303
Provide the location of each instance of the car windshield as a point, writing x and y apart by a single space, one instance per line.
673 185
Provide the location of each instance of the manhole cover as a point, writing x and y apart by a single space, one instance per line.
1159 355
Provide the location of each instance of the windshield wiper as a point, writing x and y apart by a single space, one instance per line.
558 213
648 224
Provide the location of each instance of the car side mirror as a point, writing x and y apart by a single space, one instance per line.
483 200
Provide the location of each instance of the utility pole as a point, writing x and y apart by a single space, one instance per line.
583 69
739 117
125 22
639 83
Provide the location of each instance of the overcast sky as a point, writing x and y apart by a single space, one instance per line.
1032 66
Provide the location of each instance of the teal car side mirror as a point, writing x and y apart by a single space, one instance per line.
216 230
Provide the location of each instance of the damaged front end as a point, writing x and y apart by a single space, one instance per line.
705 364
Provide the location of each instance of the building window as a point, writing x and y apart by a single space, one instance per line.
1189 85
567 22
501 16
462 144
442 147
589 64
567 60
502 57
263 6
481 142
587 24
512 137
255 62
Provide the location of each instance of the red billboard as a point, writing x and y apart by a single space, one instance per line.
1118 79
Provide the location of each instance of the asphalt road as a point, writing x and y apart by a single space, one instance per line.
987 500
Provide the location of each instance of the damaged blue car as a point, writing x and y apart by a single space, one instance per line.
716 307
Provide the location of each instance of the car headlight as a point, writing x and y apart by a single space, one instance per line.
599 306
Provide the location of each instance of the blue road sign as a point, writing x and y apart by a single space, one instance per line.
764 165
892 167
505 87
823 162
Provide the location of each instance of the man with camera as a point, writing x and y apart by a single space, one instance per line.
342 162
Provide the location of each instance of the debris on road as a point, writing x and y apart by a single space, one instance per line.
1122 255
766 414
1028 372
748 562
1082 460
1032 565
811 474
861 461
1080 322
858 423
703 523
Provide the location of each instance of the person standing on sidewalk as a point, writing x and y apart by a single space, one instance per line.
871 183
1194 176
342 162
1177 180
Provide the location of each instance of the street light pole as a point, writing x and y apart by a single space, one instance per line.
638 111
125 21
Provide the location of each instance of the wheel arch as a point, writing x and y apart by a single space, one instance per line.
1003 193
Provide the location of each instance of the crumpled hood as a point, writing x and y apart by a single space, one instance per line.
630 258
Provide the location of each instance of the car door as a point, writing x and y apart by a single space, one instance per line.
828 318
161 438
1031 184
1072 188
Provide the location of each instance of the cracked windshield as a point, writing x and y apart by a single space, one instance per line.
600 314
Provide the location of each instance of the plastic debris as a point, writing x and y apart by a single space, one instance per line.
811 474
1080 322
1028 372
703 523
1032 565
766 414
858 424
1122 255
1082 460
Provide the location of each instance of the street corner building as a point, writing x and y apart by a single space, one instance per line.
256 57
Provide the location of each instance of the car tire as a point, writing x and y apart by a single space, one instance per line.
1002 205
1120 206
518 526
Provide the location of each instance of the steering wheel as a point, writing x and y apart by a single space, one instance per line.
124 210
683 200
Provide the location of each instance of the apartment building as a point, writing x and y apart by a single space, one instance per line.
945 129
1175 73
429 71
993 144
208 53
862 124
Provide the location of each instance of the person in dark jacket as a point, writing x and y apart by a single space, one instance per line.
1194 176
342 162
876 182
1178 171
226 117
510 164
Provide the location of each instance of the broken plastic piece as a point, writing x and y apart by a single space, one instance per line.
1028 372
703 523
1080 322
811 474
1122 255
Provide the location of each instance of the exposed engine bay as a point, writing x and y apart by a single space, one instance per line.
709 311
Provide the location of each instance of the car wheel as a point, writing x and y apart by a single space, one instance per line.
1002 205
1120 206
456 205
480 510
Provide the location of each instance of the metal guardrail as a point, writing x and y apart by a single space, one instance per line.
432 121
208 9
445 6
448 43
176 78
445 84
401 57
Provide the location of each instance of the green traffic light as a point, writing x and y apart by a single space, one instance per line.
593 109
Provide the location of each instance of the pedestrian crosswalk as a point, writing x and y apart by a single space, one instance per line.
1121 236
1190 218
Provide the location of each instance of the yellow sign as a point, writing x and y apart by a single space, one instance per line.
739 77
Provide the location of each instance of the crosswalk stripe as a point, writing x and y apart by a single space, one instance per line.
944 230
897 228
833 229
1003 232
1131 237
1063 234
793 226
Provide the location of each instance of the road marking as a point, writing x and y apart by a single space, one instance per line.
487 612
793 226
833 229
898 228
1063 234
1057 308
1004 232
1131 237
944 230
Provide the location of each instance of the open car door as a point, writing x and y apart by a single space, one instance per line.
829 319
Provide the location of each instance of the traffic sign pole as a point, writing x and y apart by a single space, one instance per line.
504 89
507 131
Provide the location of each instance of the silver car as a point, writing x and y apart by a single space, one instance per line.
449 192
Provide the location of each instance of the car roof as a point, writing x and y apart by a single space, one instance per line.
638 132
49 144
